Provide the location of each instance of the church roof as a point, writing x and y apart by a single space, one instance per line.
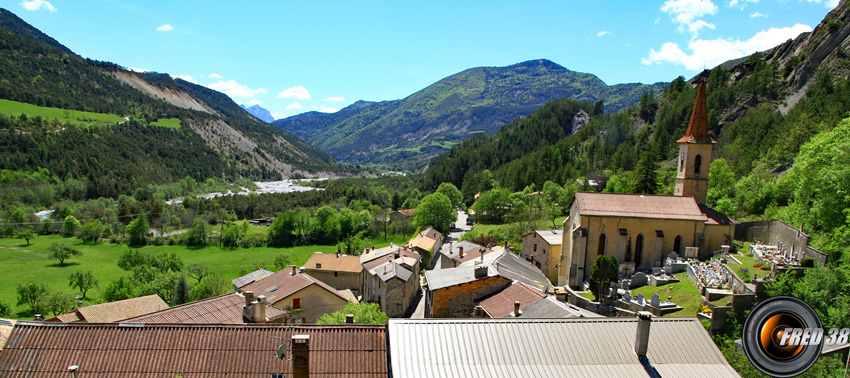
698 127
638 206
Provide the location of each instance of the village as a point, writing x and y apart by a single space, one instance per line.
457 308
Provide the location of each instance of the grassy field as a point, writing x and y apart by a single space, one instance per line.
479 228
171 123
22 263
684 294
65 116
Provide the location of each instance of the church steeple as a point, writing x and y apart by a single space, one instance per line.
695 153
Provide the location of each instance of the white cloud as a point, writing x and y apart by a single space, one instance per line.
709 53
827 3
298 92
333 99
325 109
134 69
757 15
165 28
34 5
295 105
253 102
687 14
278 116
740 4
215 76
603 33
234 89
185 77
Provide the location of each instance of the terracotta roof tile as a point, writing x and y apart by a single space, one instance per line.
283 283
115 311
698 126
638 206
332 262
46 350
502 302
221 309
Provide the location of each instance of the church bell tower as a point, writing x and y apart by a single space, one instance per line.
695 153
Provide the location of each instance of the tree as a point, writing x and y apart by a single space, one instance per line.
132 258
646 178
58 302
122 288
435 210
138 230
167 261
451 191
493 206
282 261
5 309
182 292
91 231
603 271
197 235
84 281
25 233
212 285
62 252
198 271
364 313
29 293
70 226
282 231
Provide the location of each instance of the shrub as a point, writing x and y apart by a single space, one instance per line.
807 263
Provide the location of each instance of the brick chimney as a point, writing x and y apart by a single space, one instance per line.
460 251
248 309
259 313
300 356
642 337
517 312
293 269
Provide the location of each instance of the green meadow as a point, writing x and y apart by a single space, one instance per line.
74 117
24 263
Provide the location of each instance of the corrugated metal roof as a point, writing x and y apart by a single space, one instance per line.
221 309
511 266
638 206
440 278
114 311
109 350
251 277
550 348
333 263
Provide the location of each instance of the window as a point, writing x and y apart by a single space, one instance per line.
697 163
336 274
602 241
677 244
296 303
535 248
638 250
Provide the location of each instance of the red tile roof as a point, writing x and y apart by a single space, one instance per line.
334 263
638 206
221 309
698 126
283 283
114 311
502 303
45 350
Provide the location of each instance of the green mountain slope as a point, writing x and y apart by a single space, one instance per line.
406 133
216 138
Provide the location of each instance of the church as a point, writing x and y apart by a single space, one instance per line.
641 230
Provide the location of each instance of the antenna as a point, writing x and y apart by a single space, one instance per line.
281 352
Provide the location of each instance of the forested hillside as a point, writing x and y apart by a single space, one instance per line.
405 133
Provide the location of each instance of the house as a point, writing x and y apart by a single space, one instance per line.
141 350
390 278
519 300
337 270
513 267
451 293
297 292
600 347
641 230
458 253
251 277
542 248
6 326
402 215
426 243
230 308
113 311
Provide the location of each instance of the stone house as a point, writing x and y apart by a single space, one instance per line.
337 270
451 293
542 248
306 297
459 253
390 278
402 215
426 243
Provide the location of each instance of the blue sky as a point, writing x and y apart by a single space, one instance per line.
297 56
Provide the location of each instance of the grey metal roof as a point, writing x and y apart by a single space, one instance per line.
678 347
251 277
513 267
546 308
392 269
438 279
551 236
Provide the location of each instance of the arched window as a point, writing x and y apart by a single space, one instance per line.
697 164
628 256
638 249
677 245
603 240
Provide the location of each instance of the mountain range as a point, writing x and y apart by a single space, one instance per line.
407 133
261 114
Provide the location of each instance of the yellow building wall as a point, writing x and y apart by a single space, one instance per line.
315 302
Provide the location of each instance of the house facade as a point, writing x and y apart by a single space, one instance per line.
304 296
426 243
335 269
390 278
542 248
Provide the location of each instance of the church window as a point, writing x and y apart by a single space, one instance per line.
638 250
697 164
603 240
677 244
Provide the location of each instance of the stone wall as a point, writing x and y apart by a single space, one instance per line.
458 301
577 300
775 232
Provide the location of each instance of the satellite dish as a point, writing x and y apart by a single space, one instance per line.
281 352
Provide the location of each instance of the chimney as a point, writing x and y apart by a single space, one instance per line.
38 317
337 253
481 270
262 299
460 251
293 269
517 312
300 356
259 313
478 312
319 265
349 318
249 296
642 337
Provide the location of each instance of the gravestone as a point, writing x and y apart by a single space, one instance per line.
640 299
673 256
656 271
628 295
655 301
638 280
